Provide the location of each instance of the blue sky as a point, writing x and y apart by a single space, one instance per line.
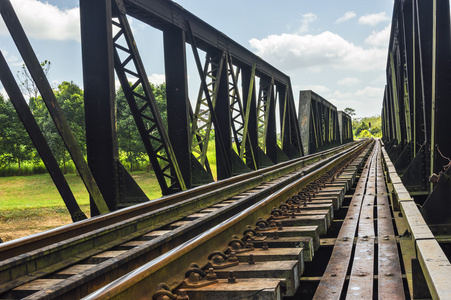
337 48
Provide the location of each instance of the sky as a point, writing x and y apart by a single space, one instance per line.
337 48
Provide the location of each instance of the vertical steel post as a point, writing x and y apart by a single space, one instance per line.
424 28
441 97
223 128
177 98
285 116
419 135
99 96
271 136
250 111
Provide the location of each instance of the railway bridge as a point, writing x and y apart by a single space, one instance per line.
299 209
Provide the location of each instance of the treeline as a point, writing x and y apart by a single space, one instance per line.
17 150
367 127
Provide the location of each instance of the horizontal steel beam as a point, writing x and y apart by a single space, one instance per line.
163 13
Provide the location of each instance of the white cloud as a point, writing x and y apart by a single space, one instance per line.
373 19
45 21
12 60
307 19
292 51
317 88
366 101
346 17
370 92
157 78
379 38
348 81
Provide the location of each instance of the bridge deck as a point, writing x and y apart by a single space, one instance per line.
340 228
366 243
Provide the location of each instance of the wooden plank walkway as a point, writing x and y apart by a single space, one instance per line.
354 249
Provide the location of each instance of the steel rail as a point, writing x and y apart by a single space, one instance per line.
90 242
170 267
19 246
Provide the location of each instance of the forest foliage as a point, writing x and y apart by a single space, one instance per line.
367 127
18 156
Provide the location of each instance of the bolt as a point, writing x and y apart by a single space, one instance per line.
265 245
276 235
293 216
194 278
182 295
249 245
211 274
231 278
251 259
279 226
232 257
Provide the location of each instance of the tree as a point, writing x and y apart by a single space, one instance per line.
27 84
70 98
361 127
376 132
365 134
131 146
349 111
15 143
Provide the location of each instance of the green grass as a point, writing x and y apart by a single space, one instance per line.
39 191
27 168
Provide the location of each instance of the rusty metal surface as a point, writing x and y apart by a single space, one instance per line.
195 249
361 279
390 285
332 282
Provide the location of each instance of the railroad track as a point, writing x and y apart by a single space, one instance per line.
157 241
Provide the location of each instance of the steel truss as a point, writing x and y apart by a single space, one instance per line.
242 99
319 121
416 102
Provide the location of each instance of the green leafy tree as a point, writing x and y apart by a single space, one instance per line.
349 111
70 98
365 134
15 143
130 144
362 126
376 132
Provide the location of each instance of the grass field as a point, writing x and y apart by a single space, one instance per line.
30 204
